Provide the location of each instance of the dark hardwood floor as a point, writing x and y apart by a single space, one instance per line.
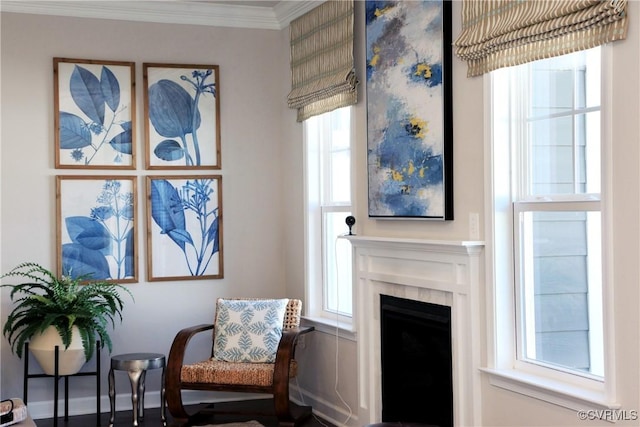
152 416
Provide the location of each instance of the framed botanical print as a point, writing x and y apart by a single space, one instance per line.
96 227
182 116
184 227
95 111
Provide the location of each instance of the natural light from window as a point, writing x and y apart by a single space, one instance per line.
328 174
546 132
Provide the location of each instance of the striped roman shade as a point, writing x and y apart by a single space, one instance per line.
502 33
322 69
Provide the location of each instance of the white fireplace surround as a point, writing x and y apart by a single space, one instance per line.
434 271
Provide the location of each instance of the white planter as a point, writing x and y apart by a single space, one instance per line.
70 360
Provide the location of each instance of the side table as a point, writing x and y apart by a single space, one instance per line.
136 365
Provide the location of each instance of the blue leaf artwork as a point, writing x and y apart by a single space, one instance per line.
406 124
74 134
98 220
172 111
186 216
182 109
86 91
95 116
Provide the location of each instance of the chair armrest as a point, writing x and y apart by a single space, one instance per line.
300 330
286 352
174 367
177 352
287 346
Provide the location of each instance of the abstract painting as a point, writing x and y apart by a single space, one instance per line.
184 222
96 228
182 112
94 114
409 127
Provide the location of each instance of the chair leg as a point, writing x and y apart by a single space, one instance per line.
284 413
283 410
175 406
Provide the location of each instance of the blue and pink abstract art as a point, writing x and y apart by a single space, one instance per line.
408 109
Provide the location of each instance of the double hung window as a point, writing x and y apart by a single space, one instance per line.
546 220
328 194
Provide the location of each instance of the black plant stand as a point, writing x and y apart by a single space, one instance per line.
57 377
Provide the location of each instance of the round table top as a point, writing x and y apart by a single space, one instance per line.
137 361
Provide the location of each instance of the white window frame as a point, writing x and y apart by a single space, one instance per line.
503 367
316 249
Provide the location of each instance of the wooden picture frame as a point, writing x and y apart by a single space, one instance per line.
409 109
96 228
184 227
95 114
182 116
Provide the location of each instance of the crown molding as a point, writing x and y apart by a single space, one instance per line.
287 11
171 12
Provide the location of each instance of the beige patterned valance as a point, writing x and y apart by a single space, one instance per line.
502 33
322 69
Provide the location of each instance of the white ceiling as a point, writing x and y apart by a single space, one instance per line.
273 15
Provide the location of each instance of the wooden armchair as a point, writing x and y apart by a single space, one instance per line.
219 375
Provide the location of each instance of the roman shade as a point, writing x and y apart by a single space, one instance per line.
502 33
322 69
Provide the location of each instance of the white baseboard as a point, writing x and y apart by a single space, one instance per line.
335 414
338 415
88 405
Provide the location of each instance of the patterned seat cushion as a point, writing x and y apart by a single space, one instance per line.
214 371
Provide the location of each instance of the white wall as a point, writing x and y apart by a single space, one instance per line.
263 193
468 198
503 408
250 62
500 407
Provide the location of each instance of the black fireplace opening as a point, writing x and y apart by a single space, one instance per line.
417 383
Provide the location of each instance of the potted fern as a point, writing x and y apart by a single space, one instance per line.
73 313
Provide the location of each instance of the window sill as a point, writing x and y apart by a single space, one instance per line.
331 327
556 392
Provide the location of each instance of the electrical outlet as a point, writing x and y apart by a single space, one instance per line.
302 344
474 226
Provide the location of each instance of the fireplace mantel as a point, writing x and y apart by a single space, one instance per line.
442 272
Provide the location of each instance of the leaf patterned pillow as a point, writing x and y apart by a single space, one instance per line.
248 331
